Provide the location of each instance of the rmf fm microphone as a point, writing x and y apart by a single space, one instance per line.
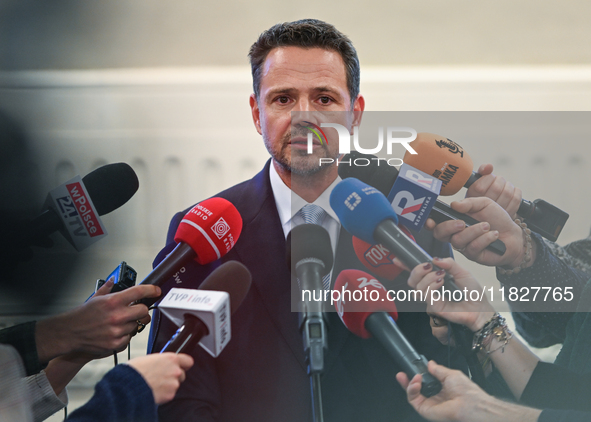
206 233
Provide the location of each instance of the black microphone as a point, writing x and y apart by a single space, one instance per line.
108 187
309 257
231 277
382 177
376 318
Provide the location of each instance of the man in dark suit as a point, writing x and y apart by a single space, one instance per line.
303 66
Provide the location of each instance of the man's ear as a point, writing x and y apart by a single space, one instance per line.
358 107
256 114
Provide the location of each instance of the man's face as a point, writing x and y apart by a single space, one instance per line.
312 82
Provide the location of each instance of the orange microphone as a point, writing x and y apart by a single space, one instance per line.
443 159
447 161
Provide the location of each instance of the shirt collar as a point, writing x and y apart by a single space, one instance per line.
289 203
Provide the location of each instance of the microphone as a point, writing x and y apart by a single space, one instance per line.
74 206
206 233
203 313
385 179
366 213
309 257
377 258
447 161
376 317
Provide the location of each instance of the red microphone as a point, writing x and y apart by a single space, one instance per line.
366 309
206 233
377 258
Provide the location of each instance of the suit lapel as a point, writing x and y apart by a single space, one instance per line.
262 237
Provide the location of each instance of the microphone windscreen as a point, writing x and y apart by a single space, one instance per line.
367 296
111 186
378 174
443 159
309 241
210 228
232 277
377 258
360 208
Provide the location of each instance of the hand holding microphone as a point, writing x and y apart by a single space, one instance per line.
206 233
376 318
101 325
447 161
472 241
409 195
366 213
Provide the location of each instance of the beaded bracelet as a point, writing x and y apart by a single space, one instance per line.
527 245
496 327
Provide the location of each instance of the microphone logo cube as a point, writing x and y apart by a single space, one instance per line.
220 228
413 195
352 201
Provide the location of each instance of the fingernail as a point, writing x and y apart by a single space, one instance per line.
440 272
437 259
485 226
496 233
459 224
427 266
439 280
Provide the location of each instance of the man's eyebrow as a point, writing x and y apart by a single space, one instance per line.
276 91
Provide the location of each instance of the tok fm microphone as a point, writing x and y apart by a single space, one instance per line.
206 233
366 213
375 317
385 179
204 313
447 161
377 258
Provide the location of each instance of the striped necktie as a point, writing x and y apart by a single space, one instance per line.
313 214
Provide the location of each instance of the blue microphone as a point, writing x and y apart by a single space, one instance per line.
366 213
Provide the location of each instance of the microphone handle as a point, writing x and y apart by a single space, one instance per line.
187 336
175 260
384 329
526 208
312 325
442 212
404 248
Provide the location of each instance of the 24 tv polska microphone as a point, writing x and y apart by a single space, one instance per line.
446 160
206 233
377 318
108 188
200 315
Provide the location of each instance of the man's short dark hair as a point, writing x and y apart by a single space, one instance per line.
305 33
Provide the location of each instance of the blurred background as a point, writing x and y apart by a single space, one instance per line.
164 86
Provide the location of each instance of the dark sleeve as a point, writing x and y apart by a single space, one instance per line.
121 396
552 386
553 415
539 327
22 338
198 397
